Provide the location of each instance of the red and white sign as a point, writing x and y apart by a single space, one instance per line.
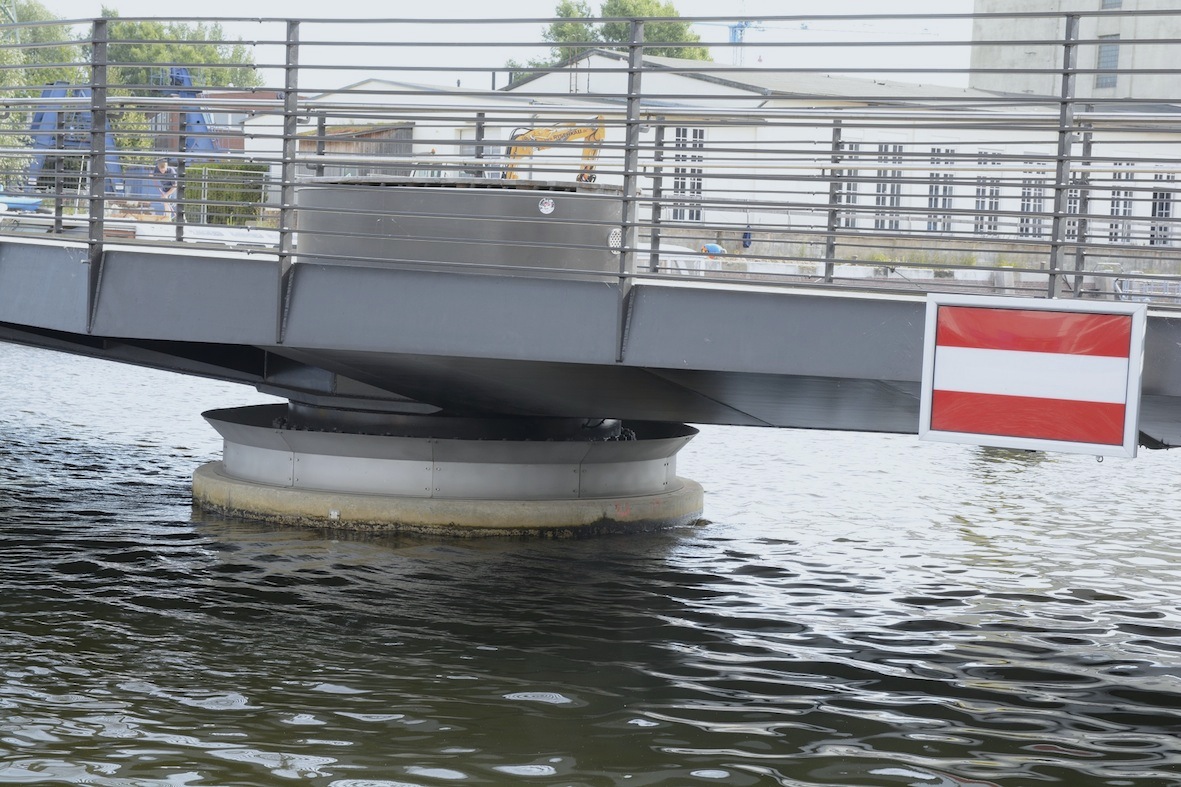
1047 375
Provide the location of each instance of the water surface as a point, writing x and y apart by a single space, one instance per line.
861 610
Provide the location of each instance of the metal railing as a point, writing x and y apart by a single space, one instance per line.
1034 154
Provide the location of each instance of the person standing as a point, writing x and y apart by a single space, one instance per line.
166 182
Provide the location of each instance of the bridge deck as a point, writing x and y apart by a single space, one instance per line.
755 248
466 342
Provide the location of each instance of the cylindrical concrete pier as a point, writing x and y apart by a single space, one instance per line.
450 476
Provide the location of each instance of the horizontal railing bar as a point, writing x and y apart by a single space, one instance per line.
968 176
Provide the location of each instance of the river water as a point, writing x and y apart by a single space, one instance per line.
861 610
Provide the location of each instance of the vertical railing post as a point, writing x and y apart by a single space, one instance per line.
98 142
834 204
657 194
1062 166
1082 223
59 196
182 142
631 175
96 202
287 215
321 143
480 117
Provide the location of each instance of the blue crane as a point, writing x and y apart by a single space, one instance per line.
66 126
197 136
738 36
61 125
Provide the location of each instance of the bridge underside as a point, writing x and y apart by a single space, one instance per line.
419 341
466 386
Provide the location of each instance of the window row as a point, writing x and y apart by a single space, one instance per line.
966 197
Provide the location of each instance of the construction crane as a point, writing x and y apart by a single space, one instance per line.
738 36
527 142
197 136
57 128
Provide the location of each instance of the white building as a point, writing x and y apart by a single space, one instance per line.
779 154
388 127
799 151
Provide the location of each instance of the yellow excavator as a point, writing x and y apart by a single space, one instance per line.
526 143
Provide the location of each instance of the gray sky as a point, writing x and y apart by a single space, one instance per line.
483 9
768 43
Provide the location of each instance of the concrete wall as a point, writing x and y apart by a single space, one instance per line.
1017 56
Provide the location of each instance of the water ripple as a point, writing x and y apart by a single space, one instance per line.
864 610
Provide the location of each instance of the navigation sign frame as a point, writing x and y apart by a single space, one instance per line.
1002 372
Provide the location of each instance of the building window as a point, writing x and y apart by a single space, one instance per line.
1033 203
225 119
1120 229
888 190
688 144
988 196
1108 60
160 123
1074 206
940 191
1111 4
847 187
1162 210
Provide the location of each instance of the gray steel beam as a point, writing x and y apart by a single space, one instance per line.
290 144
45 286
834 204
235 364
96 202
765 331
353 308
172 297
512 387
631 188
1066 131
511 345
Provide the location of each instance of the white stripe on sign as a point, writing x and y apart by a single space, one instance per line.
1086 378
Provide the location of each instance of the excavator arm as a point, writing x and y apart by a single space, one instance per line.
528 142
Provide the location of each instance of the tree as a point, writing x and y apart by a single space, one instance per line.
572 38
666 31
142 55
37 51
44 52
578 32
40 53
146 49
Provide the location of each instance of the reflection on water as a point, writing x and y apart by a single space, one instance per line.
863 610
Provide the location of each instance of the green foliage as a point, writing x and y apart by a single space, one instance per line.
33 55
37 54
140 51
231 192
39 50
578 32
133 130
664 31
574 37
140 54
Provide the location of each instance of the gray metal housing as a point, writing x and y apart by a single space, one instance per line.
447 468
481 225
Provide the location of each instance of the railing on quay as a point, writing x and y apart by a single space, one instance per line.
1033 154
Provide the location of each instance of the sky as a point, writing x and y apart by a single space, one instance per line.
483 9
769 40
